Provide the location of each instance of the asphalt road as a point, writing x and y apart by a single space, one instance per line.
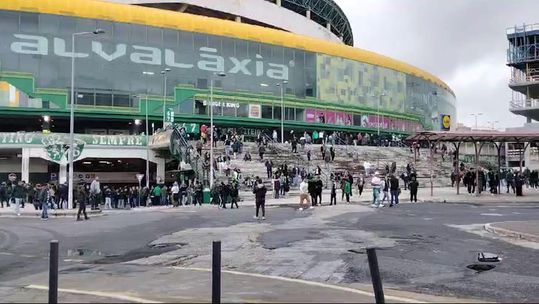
430 247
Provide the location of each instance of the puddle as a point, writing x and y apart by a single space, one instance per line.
481 267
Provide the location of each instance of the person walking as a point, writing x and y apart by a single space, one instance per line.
156 195
333 197
175 194
318 188
347 190
43 198
108 198
360 184
276 186
332 153
234 195
260 199
303 194
17 195
394 190
376 183
225 194
95 193
4 198
82 198
385 190
413 186
197 193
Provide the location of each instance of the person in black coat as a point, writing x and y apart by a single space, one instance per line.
318 190
412 186
260 198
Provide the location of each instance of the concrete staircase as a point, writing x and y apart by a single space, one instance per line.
356 159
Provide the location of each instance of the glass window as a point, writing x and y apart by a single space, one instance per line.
300 113
103 99
48 23
200 108
186 106
217 110
290 113
29 22
138 33
202 83
170 38
267 112
85 98
9 22
357 120
229 111
277 113
120 32
243 110
155 36
121 100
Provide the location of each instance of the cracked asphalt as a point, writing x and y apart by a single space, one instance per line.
422 247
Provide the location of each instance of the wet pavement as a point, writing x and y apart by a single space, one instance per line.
424 248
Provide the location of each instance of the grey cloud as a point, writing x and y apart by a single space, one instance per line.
446 37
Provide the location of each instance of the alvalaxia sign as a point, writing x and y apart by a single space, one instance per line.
208 58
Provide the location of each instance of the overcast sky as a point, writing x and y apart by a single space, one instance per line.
463 42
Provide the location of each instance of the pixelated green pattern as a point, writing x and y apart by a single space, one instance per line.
350 82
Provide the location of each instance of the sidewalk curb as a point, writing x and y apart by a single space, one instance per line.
510 233
11 214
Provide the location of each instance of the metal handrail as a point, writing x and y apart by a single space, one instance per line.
519 76
521 29
524 103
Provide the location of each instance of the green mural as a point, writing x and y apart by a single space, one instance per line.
349 82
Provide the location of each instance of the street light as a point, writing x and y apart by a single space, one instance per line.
284 82
164 73
378 126
212 79
492 123
147 136
72 114
475 115
281 85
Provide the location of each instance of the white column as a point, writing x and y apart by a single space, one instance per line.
160 174
25 165
278 2
238 19
308 14
62 175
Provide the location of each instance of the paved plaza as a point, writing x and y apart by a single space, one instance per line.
162 254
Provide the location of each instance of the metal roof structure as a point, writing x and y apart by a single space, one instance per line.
481 136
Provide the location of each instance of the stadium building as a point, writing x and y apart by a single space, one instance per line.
166 59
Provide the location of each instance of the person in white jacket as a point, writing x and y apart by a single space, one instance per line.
304 194
175 194
376 184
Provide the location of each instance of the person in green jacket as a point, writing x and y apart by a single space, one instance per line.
156 195
347 190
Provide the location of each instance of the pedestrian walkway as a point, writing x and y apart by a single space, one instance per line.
30 211
525 230
122 282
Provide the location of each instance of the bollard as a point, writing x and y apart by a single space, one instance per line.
216 273
53 273
375 276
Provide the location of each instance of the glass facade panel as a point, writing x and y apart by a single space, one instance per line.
267 112
103 99
112 65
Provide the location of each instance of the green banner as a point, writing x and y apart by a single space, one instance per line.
54 139
189 127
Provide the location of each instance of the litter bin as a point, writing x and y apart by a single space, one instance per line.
206 196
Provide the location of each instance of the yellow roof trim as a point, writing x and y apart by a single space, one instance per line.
193 23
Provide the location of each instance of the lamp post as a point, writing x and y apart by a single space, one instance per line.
492 123
164 73
378 129
475 115
213 76
147 137
72 114
282 84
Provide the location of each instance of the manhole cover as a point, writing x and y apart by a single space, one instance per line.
481 267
